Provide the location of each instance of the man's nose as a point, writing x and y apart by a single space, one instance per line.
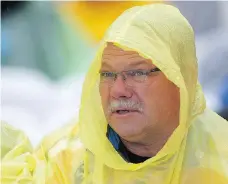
120 89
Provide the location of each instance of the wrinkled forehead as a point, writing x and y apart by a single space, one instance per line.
115 56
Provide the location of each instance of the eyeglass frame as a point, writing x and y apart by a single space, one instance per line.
124 75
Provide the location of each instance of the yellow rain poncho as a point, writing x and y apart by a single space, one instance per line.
197 151
17 162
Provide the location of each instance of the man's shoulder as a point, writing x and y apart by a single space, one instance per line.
211 122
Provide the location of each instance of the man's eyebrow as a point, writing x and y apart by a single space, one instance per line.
105 65
131 63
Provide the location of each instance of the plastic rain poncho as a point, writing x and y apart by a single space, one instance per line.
196 152
17 162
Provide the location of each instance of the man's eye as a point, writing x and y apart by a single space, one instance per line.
136 73
107 74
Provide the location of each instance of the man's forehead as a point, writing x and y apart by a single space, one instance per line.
113 52
112 49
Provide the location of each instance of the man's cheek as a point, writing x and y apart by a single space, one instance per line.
105 105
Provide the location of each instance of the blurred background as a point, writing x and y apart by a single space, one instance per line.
46 49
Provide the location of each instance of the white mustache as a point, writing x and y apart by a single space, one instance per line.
125 104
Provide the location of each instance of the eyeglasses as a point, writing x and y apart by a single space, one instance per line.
131 77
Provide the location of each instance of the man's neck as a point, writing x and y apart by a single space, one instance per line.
147 148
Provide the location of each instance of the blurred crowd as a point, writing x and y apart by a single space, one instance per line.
46 49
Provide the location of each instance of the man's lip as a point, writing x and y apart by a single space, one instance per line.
119 115
130 111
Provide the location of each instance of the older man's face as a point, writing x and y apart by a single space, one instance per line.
136 106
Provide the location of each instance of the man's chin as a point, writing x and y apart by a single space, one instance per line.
126 129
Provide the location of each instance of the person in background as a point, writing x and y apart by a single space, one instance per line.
224 98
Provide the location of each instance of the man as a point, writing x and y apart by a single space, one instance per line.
143 117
